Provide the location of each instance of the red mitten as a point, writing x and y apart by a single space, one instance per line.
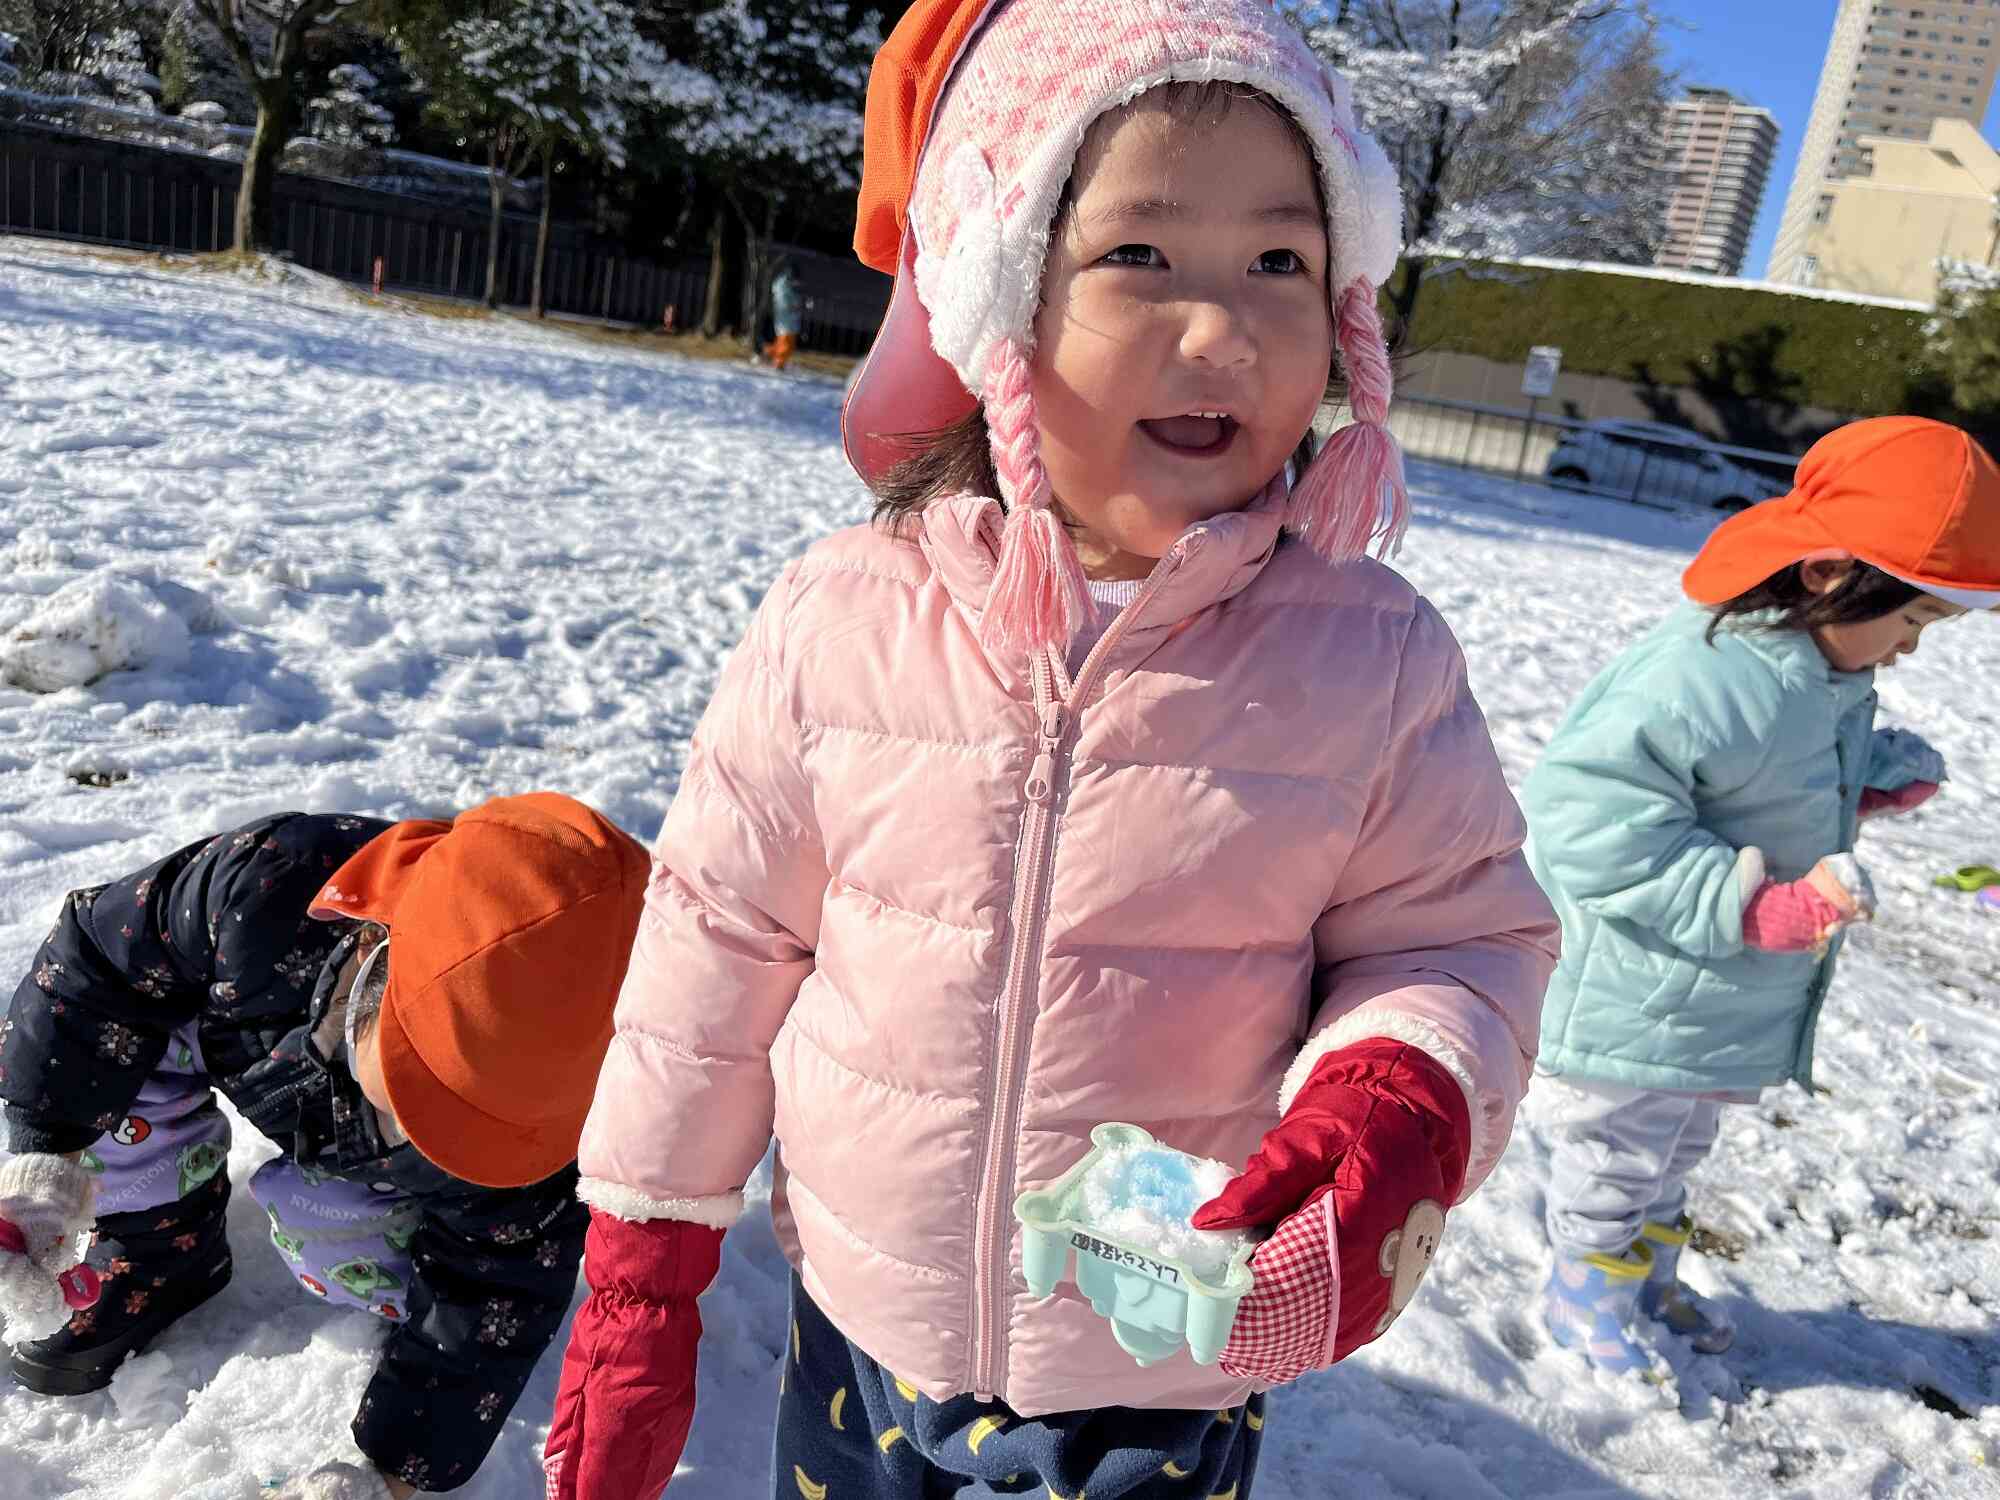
626 1398
1801 916
1875 801
1357 1177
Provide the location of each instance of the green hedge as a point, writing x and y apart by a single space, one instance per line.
1716 338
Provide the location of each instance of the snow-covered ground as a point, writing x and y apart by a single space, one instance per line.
376 561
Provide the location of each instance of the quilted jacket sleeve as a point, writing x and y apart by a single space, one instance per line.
1612 805
684 1103
1437 934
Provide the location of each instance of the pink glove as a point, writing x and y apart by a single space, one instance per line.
1875 801
1357 1177
1802 916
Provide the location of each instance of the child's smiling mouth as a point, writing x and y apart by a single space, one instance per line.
1204 434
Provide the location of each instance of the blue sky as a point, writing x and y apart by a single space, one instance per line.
1766 52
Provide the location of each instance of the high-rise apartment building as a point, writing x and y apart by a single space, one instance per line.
1892 69
1923 201
1715 152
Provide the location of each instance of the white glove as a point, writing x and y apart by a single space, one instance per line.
337 1482
46 1200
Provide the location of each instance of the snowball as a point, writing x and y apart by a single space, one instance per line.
1143 1197
103 623
205 112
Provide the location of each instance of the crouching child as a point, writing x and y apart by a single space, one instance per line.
415 1012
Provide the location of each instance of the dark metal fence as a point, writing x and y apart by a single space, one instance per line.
141 197
1645 463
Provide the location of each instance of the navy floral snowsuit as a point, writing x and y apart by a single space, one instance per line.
204 971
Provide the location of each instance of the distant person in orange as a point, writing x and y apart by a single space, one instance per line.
787 305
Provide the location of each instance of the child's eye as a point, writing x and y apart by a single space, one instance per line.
1135 255
1281 262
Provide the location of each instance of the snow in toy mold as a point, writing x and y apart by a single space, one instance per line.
1143 1197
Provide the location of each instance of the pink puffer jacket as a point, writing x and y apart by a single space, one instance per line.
930 916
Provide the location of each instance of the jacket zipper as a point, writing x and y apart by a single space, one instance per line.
1055 719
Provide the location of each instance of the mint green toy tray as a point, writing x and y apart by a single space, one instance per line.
1154 1305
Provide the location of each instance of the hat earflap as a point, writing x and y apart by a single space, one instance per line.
1354 489
1038 599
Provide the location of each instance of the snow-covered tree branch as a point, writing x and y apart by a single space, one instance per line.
531 77
765 102
1519 127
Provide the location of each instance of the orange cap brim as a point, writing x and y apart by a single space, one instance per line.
368 886
1750 546
1753 544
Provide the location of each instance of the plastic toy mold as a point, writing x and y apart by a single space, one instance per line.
1155 1301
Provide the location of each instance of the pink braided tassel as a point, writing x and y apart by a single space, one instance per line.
1355 488
1038 599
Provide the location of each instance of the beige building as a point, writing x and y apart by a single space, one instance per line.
1892 70
1716 153
1883 234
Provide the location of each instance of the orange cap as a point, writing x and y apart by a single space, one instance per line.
510 930
903 88
1916 498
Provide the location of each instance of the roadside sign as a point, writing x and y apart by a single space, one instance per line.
1538 380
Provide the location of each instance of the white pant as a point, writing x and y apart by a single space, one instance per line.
1619 1159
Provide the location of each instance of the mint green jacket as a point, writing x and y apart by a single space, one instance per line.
1680 756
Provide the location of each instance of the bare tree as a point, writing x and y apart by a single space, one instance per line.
266 38
1518 126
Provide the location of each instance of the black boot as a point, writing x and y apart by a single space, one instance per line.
158 1264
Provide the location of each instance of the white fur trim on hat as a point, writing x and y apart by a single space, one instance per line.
1005 137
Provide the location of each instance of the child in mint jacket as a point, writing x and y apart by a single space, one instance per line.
1694 819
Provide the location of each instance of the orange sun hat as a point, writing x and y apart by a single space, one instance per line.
509 932
1918 499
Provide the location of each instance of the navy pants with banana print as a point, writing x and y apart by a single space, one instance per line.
850 1430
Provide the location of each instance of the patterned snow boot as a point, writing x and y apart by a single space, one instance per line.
1590 1302
158 1265
1671 1300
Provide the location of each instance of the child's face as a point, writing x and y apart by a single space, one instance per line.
1862 644
1189 277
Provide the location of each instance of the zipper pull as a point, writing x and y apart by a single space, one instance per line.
1040 785
1041 781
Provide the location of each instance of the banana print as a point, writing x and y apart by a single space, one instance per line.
833 1410
807 1488
795 1340
889 1439
1256 1422
1053 1495
1225 1417
981 1430
1175 1471
1228 1494
904 1389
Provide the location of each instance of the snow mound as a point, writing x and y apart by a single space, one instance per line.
96 625
145 1392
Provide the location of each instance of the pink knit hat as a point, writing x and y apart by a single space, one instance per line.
1017 84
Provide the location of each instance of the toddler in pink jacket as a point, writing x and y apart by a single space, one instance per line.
1103 778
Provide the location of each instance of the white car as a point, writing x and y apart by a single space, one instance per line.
1655 463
